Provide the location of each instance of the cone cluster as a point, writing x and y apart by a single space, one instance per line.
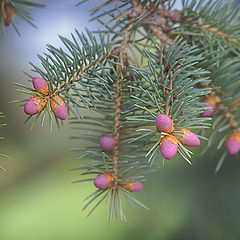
8 14
169 143
106 180
36 104
233 143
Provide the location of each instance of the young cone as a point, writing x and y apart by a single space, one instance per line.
132 187
211 103
104 181
40 85
233 143
34 105
189 139
107 143
169 146
59 109
164 123
9 14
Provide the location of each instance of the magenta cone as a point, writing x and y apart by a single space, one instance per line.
209 112
107 143
101 182
30 107
40 85
168 149
190 140
164 123
137 187
59 109
233 146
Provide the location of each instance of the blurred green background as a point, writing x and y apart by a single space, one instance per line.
37 199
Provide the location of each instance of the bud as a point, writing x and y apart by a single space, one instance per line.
169 146
9 14
40 85
210 103
164 123
34 105
132 187
104 181
59 109
189 139
107 143
233 143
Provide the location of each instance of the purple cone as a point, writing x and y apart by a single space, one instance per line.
137 187
233 146
209 112
60 112
163 123
107 143
101 182
30 107
39 84
168 149
190 140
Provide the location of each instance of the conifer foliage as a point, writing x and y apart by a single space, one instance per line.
157 82
11 8
1 138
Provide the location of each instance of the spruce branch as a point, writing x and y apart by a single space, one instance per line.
170 87
10 8
74 74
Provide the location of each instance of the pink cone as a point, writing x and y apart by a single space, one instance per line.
163 123
40 85
60 109
7 22
101 182
168 149
61 112
209 112
30 107
107 143
233 146
137 187
190 140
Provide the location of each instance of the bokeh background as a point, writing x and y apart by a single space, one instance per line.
37 199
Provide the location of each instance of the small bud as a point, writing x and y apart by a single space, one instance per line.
59 109
210 103
233 143
164 123
107 143
34 105
169 146
189 139
104 181
132 187
40 85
